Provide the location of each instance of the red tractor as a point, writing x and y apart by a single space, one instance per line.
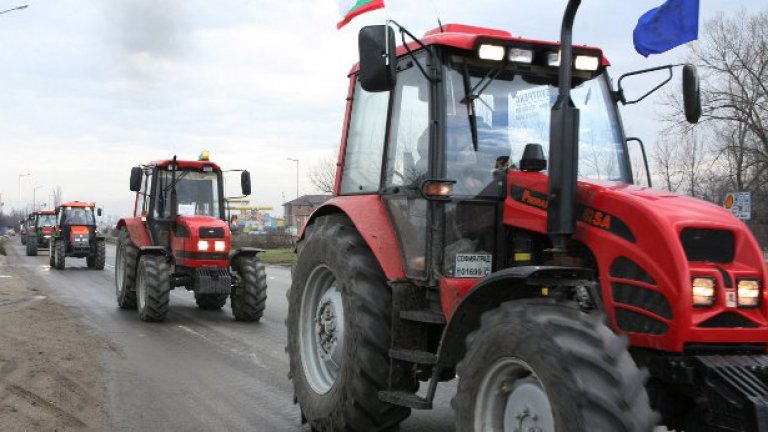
38 233
179 236
561 296
75 236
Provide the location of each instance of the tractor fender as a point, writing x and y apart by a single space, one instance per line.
244 252
153 250
509 284
370 218
137 231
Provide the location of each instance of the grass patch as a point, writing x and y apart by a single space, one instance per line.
278 256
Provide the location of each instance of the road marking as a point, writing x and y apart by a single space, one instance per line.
110 266
5 276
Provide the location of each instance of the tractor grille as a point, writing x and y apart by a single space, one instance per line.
708 245
627 269
211 232
638 323
642 298
728 320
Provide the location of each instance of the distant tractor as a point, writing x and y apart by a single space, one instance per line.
75 236
179 236
561 296
39 231
24 227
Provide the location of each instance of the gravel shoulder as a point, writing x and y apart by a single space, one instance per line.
50 376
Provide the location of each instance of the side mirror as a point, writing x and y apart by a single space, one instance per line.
98 212
245 182
136 174
691 94
377 58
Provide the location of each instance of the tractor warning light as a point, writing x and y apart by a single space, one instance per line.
205 155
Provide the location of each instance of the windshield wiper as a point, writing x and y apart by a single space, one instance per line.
474 93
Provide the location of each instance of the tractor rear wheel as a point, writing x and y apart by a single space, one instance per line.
51 253
60 255
211 301
339 318
249 292
32 246
153 287
125 271
545 366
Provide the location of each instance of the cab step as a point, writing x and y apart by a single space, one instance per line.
413 356
423 316
405 399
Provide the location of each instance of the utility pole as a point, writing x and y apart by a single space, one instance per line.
297 176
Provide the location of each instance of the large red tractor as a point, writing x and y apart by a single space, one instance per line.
179 236
75 236
38 233
455 249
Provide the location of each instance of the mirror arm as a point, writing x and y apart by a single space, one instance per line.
620 90
403 32
645 158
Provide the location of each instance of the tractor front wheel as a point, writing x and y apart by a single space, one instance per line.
125 271
249 292
544 366
339 317
60 255
51 253
24 240
211 301
32 246
98 259
153 287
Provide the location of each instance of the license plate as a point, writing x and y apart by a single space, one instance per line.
473 265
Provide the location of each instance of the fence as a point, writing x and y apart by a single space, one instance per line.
267 240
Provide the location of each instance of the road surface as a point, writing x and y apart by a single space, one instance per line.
198 370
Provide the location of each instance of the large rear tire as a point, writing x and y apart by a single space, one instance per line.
153 287
61 255
211 301
339 317
249 293
544 366
32 246
125 271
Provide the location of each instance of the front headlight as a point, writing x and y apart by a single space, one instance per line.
202 245
748 293
703 290
219 245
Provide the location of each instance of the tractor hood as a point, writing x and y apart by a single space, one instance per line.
194 224
201 241
648 245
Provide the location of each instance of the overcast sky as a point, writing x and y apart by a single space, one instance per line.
90 88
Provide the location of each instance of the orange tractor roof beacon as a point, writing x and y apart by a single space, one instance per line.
486 228
179 236
74 235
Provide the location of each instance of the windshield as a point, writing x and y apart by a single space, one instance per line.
79 216
46 220
197 194
513 111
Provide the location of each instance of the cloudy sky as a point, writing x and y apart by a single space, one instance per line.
89 88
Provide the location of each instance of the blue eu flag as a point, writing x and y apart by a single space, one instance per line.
667 26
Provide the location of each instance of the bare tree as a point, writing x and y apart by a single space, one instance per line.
322 175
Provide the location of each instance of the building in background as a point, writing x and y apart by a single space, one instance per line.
297 212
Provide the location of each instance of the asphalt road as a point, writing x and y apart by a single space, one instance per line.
198 370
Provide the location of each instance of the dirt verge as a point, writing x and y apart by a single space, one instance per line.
50 377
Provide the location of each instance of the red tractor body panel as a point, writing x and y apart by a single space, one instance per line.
369 216
137 231
185 248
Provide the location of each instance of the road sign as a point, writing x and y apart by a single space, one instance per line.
739 204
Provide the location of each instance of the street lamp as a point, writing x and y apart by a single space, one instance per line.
297 176
34 189
13 9
20 176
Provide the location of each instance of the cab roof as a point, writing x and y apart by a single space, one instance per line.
45 212
186 164
78 204
466 37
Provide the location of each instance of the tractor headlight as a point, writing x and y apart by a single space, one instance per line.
748 293
519 55
703 289
586 63
553 59
219 246
202 245
491 52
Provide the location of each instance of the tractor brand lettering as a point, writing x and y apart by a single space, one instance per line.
602 220
531 198
596 218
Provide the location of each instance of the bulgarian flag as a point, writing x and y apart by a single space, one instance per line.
353 8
